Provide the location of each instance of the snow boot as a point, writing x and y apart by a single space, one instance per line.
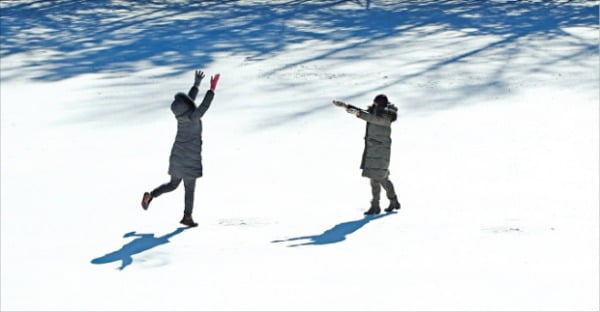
394 204
187 220
373 210
146 200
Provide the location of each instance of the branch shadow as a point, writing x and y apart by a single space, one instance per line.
336 234
142 243
62 39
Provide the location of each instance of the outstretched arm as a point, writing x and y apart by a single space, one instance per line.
349 108
363 114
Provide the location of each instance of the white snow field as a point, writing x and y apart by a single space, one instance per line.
495 156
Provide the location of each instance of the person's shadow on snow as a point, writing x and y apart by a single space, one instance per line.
336 234
142 243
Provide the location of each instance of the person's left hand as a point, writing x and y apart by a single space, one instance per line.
213 81
198 77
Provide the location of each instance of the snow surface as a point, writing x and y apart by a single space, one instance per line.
495 155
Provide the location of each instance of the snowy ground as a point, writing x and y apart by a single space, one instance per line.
495 155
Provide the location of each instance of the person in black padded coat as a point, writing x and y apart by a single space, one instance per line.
185 162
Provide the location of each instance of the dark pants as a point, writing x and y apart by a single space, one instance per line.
188 183
376 185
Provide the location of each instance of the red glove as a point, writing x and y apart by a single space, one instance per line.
213 82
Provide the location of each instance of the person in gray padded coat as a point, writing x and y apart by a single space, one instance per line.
376 155
185 162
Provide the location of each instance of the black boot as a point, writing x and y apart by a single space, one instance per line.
146 199
374 209
394 204
187 220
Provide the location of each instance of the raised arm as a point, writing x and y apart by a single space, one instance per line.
201 110
208 97
198 75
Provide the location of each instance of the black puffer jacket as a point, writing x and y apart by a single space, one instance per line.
186 154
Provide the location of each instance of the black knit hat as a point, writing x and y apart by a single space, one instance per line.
381 100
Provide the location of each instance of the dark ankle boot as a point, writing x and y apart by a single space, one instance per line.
394 204
146 199
374 209
187 220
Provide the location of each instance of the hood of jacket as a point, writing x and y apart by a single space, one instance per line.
389 110
182 104
392 111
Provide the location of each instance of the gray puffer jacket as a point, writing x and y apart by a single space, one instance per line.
186 155
378 141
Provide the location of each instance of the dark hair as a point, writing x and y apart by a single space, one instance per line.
381 100
381 106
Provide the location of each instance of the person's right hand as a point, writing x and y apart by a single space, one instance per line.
214 80
198 77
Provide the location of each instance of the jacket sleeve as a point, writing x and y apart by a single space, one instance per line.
372 118
193 92
199 112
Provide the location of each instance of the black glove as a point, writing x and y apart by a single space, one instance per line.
198 77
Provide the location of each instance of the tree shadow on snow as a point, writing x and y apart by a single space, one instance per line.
336 234
63 39
142 243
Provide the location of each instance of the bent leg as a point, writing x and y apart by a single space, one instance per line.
167 187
